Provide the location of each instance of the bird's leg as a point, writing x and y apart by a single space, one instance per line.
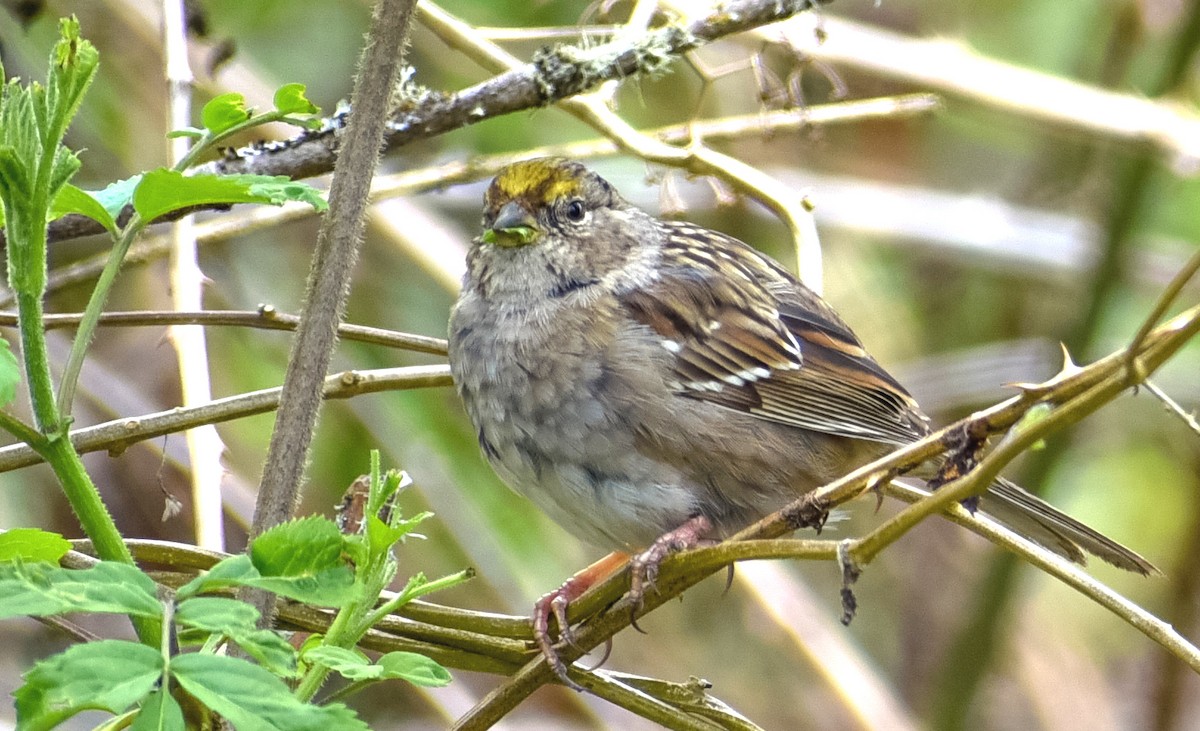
555 604
643 567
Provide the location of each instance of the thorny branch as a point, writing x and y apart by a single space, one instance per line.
553 74
603 612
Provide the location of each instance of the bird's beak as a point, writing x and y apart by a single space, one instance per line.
514 226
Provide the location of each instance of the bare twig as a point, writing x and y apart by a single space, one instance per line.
1165 298
265 317
116 436
1188 417
329 276
951 67
248 220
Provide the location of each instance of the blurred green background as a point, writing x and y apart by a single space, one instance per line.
962 246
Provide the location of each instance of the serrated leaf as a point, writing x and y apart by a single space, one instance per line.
162 191
108 675
253 699
160 712
224 112
301 559
290 99
42 589
356 550
415 668
10 373
328 588
297 547
32 544
71 199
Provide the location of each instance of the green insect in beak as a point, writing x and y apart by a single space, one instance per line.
514 226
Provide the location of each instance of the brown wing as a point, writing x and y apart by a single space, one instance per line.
748 336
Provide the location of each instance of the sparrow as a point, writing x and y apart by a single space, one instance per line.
652 384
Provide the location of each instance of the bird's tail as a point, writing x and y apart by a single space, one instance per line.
1041 522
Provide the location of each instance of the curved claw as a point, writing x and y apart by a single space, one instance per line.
543 609
555 605
608 645
643 567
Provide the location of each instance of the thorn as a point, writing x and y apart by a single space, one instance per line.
1068 367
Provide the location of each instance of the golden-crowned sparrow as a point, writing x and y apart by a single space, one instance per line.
639 378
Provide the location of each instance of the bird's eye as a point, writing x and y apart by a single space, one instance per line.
575 211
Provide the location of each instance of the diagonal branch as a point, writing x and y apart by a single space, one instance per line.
605 612
553 75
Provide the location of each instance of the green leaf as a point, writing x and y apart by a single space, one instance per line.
301 559
350 664
353 665
108 675
297 547
75 200
32 544
327 588
191 132
280 189
253 699
271 650
64 167
10 373
218 615
73 64
381 537
237 621
160 712
232 571
41 589
290 99
117 195
224 112
415 668
15 178
162 191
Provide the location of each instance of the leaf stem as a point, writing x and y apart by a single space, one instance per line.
341 634
91 314
37 362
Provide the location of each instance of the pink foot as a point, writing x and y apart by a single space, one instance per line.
555 605
643 567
